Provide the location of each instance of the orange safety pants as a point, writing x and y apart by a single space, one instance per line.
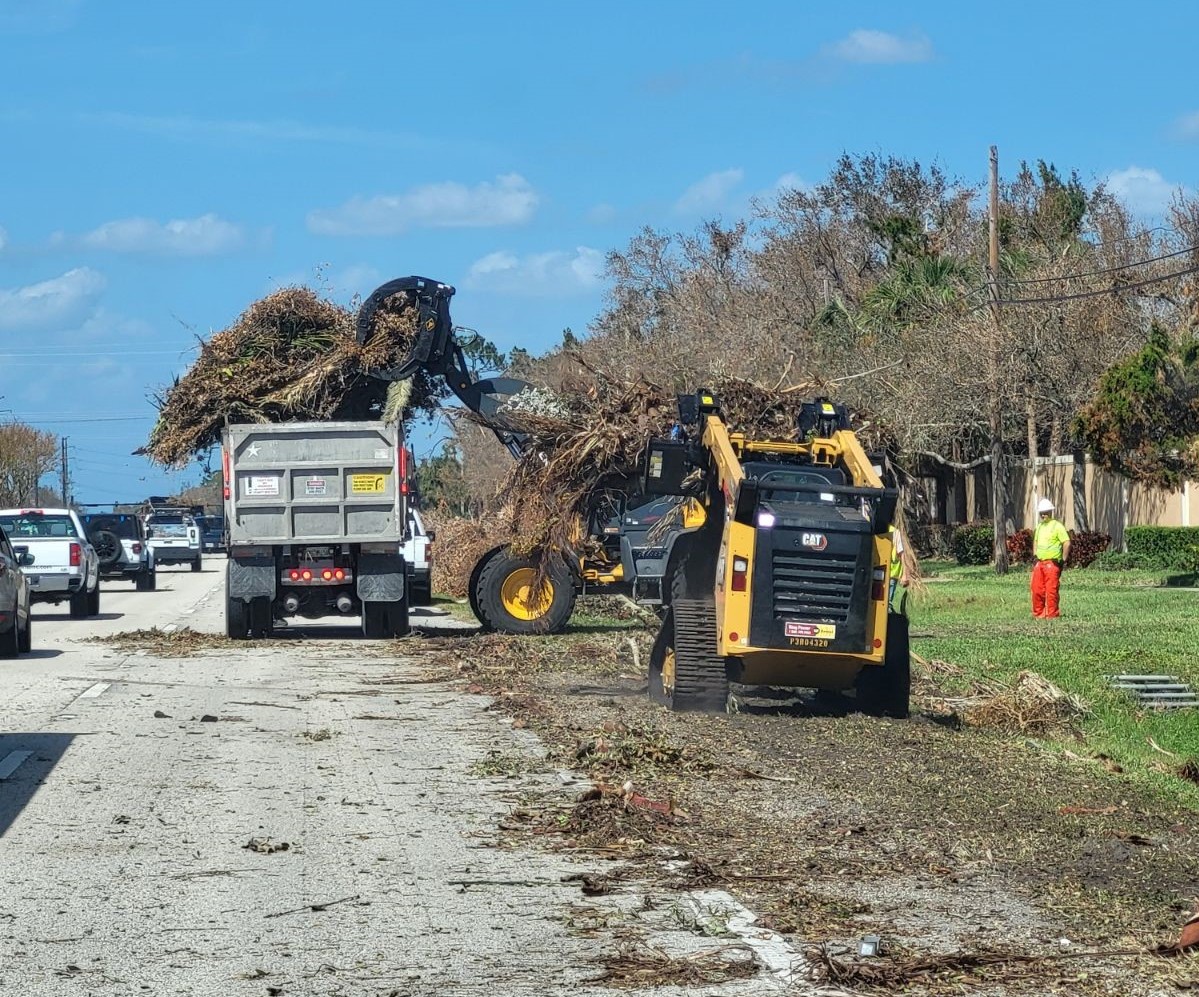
1045 580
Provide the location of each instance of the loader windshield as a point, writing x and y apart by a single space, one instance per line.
787 478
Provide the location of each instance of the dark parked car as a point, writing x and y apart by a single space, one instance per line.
16 621
212 534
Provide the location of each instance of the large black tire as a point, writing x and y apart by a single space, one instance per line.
108 547
93 600
237 619
502 587
144 581
262 620
886 690
25 640
420 595
197 565
79 604
10 640
384 620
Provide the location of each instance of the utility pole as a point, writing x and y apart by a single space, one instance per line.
65 476
998 470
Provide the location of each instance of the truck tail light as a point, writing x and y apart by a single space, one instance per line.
403 469
76 555
340 575
293 575
306 575
327 575
740 574
225 470
137 548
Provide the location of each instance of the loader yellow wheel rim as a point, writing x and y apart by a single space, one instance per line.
668 672
521 598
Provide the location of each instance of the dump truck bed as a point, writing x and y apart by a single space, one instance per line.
313 482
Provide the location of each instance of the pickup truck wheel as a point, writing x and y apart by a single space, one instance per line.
237 619
508 600
196 565
79 604
145 581
25 641
93 600
421 595
10 640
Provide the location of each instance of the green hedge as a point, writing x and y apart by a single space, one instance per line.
974 543
1172 547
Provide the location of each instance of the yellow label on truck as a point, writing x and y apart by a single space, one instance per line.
368 484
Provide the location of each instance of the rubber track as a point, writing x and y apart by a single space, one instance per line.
700 680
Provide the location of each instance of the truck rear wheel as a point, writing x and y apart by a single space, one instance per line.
886 690
262 622
384 620
506 596
79 604
237 619
10 640
196 565
145 581
93 600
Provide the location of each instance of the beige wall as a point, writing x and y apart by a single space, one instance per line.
1112 502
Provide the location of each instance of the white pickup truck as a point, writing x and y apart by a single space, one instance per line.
61 564
418 553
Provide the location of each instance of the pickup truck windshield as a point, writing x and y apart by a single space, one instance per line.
168 526
31 525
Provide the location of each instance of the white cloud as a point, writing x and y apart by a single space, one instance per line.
510 200
791 181
601 214
1144 191
709 194
51 304
880 47
553 274
206 235
1187 127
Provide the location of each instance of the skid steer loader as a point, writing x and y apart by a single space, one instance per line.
786 581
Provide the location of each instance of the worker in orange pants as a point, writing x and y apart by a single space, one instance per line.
1051 547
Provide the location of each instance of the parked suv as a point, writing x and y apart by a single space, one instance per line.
121 544
212 534
174 537
16 620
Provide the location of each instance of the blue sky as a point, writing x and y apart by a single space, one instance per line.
164 165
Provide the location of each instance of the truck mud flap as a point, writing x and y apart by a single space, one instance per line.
251 578
380 578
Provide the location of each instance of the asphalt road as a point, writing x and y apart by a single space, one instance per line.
123 859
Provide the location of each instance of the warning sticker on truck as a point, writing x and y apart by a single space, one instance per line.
257 485
368 484
315 486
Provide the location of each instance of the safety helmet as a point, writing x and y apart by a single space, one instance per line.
1044 506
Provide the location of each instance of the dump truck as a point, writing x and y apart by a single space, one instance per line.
316 514
525 593
785 583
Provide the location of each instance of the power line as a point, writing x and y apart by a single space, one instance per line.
1101 291
1100 273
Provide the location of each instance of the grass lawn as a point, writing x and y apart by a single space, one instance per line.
1112 622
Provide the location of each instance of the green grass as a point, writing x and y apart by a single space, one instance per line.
1112 622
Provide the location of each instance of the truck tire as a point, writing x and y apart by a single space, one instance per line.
79 602
503 589
421 595
262 621
10 640
197 565
25 640
237 619
385 620
885 690
93 600
145 581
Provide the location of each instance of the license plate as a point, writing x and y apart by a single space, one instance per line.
823 631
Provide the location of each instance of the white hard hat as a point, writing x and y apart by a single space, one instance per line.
1044 506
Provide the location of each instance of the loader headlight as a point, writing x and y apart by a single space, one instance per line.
766 519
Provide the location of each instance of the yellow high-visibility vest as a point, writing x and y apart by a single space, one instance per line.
1048 539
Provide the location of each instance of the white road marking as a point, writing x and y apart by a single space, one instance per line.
94 691
781 961
12 761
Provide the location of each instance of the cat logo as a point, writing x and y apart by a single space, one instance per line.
813 541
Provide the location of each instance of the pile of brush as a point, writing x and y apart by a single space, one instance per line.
592 435
292 356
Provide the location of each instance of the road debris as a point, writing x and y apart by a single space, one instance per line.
266 845
1030 705
317 907
640 965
